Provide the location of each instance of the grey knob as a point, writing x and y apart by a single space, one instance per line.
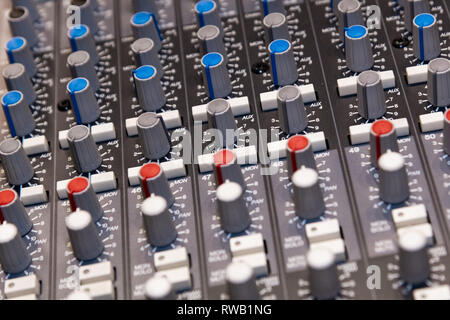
30 5
323 276
413 8
144 5
84 236
414 264
81 38
84 150
21 25
226 167
282 62
308 197
159 288
276 27
221 118
234 216
19 51
215 75
13 211
394 184
153 136
211 40
15 162
270 6
145 25
383 137
158 221
207 12
18 114
87 16
371 97
334 5
149 89
16 78
146 54
14 256
358 49
82 66
447 132
439 82
84 102
300 154
154 181
291 110
241 282
427 42
349 14
83 197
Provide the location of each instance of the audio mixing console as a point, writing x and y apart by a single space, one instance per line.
224 149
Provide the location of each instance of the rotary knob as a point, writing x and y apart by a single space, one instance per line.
241 282
334 5
276 27
413 8
15 162
84 102
291 110
358 49
349 14
84 150
221 118
234 216
153 136
146 54
323 276
439 82
21 25
84 236
211 40
308 197
271 6
13 211
207 12
149 89
215 75
226 168
16 78
159 288
158 221
145 25
447 132
427 42
18 114
81 38
14 256
371 97
383 137
82 66
414 264
394 185
154 181
300 154
19 51
30 5
282 61
83 197
144 5
87 16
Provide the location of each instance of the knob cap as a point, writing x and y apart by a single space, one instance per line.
358 50
81 38
15 162
158 221
19 51
16 78
323 276
149 89
84 102
82 66
427 42
13 211
300 154
308 198
276 27
211 40
18 114
146 54
83 235
234 216
83 197
21 25
221 117
14 256
144 5
207 12
414 264
291 110
447 132
241 282
349 14
282 61
215 76
87 13
154 181
412 9
30 5
439 82
383 137
370 93
227 168
271 6
159 288
334 5
394 186
84 150
153 136
145 25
